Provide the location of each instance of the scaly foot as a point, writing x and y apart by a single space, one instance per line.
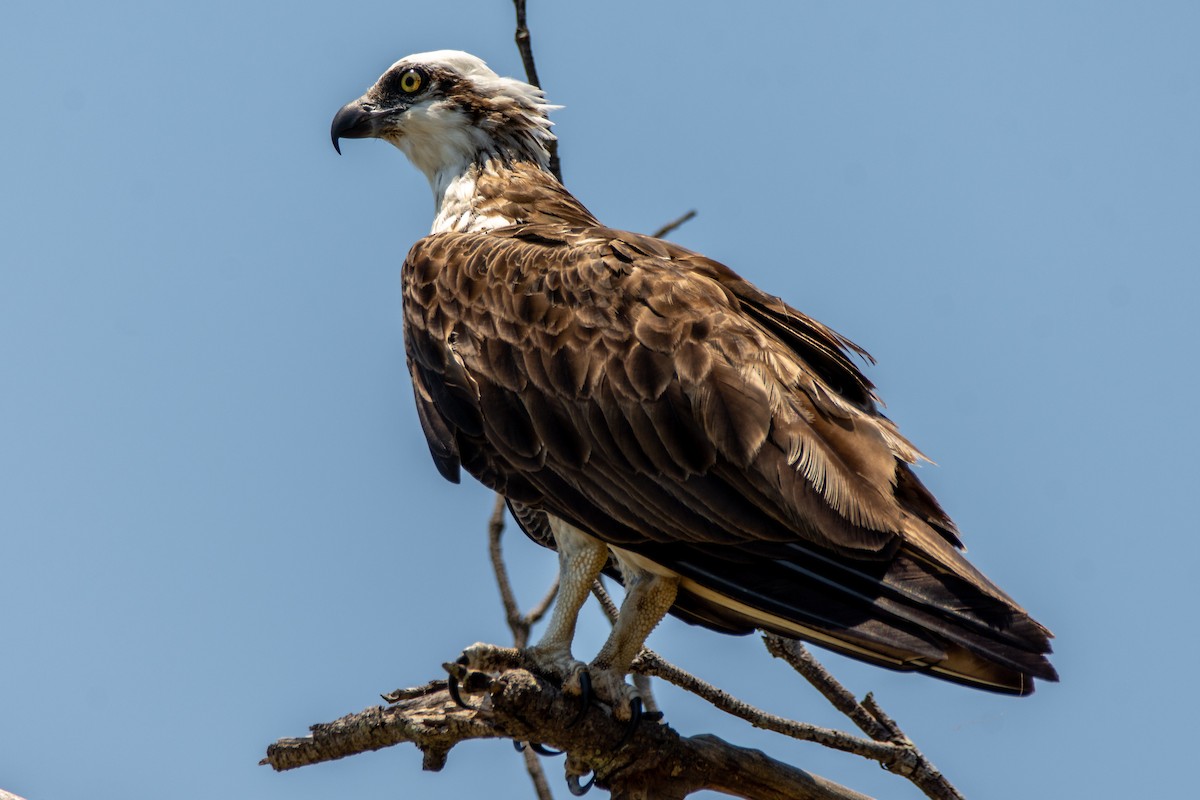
557 664
476 660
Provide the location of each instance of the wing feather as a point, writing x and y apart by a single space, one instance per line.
655 399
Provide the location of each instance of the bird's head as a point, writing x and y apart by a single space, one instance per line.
446 110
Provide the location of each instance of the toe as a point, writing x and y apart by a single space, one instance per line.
635 718
559 665
585 697
456 672
610 687
489 657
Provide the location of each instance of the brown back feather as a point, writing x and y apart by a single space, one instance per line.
655 399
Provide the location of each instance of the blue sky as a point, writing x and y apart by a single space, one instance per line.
218 519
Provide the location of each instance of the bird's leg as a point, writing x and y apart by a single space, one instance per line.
648 597
580 560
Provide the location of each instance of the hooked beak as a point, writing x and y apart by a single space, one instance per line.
353 121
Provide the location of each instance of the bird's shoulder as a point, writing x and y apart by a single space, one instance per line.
527 282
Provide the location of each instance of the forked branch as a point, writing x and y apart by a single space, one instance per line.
656 762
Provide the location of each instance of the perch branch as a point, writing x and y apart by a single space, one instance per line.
656 762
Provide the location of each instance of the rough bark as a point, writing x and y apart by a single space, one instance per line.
656 762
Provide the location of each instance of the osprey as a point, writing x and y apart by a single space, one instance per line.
649 413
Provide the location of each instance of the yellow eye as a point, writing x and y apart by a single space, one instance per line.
411 81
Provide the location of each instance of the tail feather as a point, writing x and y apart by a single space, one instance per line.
910 617
904 613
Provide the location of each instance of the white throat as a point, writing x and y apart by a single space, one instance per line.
456 201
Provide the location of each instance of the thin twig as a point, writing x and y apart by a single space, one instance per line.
867 715
525 46
414 691
886 722
650 663
673 224
518 623
533 765
797 655
537 612
646 690
606 602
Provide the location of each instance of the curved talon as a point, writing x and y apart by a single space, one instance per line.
653 716
635 718
536 747
452 687
585 700
575 788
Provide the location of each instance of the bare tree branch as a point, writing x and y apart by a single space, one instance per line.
606 602
867 715
525 46
797 655
512 612
673 224
537 612
533 765
890 755
656 762
520 625
881 717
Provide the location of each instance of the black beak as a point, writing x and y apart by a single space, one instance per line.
353 121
